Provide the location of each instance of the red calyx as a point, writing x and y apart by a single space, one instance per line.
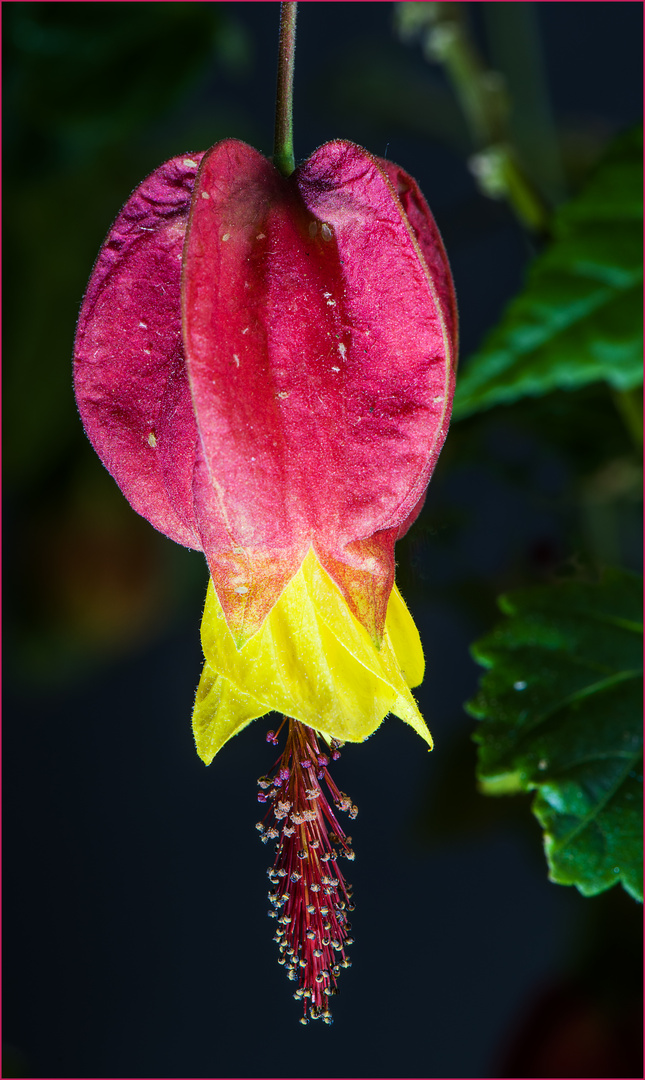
267 364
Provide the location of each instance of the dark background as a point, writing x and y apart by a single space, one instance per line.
136 939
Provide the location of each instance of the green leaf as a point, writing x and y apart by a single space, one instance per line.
561 713
579 317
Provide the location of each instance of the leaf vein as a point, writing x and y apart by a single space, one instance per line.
557 846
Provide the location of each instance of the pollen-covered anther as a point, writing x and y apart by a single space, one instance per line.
309 932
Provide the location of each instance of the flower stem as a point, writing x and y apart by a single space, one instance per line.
484 103
283 158
630 406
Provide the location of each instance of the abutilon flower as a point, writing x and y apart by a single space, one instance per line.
265 364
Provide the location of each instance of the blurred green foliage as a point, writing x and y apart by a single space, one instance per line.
560 707
95 95
84 81
579 318
84 99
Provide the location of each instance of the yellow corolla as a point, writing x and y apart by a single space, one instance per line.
311 660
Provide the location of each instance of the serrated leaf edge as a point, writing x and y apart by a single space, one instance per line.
553 847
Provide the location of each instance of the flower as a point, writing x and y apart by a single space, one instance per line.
266 366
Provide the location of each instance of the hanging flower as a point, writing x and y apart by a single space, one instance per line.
265 364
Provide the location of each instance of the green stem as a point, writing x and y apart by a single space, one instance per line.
484 103
283 158
521 194
630 406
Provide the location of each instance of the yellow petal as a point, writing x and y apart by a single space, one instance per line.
221 710
311 660
399 661
405 640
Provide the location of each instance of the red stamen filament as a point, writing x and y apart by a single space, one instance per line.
310 897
